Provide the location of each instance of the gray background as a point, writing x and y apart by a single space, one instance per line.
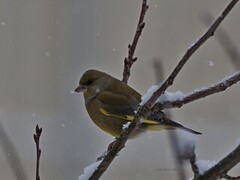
46 45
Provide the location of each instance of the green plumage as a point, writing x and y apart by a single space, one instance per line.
111 103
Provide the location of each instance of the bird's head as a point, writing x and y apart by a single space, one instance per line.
91 83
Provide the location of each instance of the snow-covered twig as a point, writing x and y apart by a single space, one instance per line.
201 93
222 167
209 33
145 110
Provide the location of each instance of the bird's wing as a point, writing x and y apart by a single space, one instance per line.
123 107
120 106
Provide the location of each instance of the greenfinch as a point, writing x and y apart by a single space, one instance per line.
111 103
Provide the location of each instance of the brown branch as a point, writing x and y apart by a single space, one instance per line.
216 88
144 111
225 41
209 33
231 178
128 61
36 137
192 160
222 167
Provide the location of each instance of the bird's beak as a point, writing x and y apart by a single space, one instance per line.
80 88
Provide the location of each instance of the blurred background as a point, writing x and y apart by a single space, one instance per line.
46 45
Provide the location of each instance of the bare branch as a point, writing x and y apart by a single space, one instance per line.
192 160
144 111
225 41
128 61
36 137
119 144
216 88
231 178
222 167
189 52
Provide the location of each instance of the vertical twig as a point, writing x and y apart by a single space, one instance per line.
128 61
36 137
225 41
12 154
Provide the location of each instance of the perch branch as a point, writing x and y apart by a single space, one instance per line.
209 33
144 111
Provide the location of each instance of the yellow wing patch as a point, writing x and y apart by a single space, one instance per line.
126 117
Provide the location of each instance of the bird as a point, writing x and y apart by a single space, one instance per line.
111 104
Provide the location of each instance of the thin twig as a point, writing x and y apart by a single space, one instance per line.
231 178
198 94
128 61
225 41
36 137
191 156
12 155
222 167
144 111
209 33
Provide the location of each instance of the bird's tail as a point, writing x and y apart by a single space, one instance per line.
166 123
190 130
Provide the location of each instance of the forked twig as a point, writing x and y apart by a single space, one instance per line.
209 33
144 111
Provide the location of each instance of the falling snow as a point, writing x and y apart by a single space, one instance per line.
211 64
47 54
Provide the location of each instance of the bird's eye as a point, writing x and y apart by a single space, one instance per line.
88 82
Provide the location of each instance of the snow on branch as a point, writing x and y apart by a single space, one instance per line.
209 33
182 99
220 169
145 110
